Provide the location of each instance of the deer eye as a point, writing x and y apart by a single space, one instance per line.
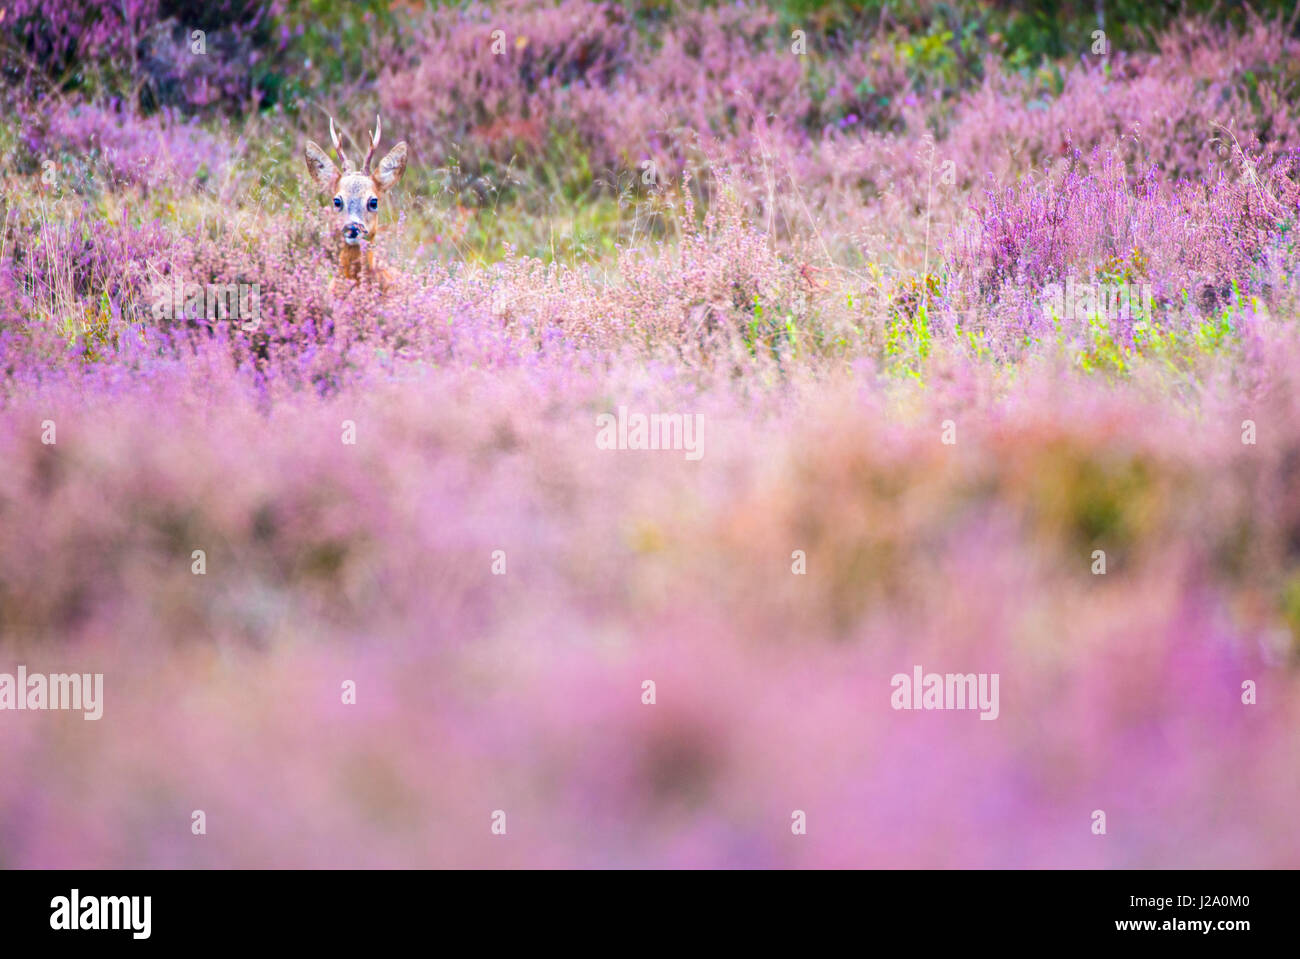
373 204
338 203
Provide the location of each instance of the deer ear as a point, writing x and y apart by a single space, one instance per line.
391 167
320 167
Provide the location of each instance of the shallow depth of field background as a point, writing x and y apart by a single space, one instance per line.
663 207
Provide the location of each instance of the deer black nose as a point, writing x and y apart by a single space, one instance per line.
352 231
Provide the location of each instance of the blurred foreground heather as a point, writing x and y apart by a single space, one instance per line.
913 452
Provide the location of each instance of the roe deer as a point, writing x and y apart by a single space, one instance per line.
356 200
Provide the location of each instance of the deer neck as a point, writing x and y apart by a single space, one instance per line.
354 264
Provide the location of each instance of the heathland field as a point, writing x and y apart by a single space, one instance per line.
820 434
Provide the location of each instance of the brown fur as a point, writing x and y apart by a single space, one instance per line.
358 224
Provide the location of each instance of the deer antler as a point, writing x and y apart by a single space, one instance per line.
338 146
374 142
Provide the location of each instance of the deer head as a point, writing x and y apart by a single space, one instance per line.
356 193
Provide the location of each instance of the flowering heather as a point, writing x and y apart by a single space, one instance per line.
147 46
361 568
98 148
